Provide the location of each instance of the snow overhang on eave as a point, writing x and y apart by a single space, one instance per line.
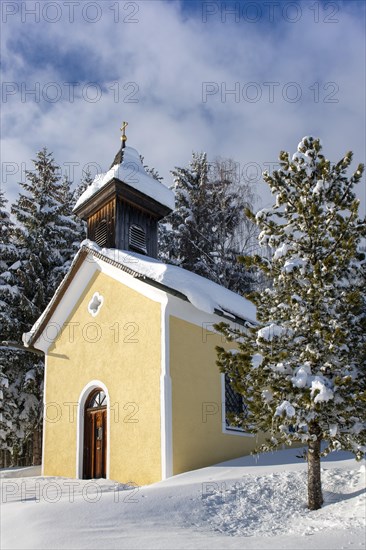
221 313
31 337
235 319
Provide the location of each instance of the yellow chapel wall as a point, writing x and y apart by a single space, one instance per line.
127 359
198 438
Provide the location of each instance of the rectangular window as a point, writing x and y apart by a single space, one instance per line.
233 403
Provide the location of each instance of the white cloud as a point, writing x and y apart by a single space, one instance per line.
167 55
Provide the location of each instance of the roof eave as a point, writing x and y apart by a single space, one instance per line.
116 187
78 261
230 317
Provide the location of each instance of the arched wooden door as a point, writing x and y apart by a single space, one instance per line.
95 436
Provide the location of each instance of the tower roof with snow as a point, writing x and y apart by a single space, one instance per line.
128 169
122 207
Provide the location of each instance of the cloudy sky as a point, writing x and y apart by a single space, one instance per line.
235 79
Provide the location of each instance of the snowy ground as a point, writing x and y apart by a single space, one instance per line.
243 503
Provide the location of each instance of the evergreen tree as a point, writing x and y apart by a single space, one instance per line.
302 371
202 234
9 325
9 257
86 180
48 237
47 233
74 227
152 171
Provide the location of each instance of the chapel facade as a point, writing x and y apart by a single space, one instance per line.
132 390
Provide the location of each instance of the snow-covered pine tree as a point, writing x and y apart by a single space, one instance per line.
80 226
236 234
302 371
201 235
75 228
9 253
9 326
152 171
9 257
48 232
48 237
86 180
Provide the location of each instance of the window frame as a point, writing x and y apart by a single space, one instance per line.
225 428
89 406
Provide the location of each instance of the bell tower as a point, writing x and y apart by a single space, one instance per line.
122 207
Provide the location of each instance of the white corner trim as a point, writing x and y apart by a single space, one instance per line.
98 299
77 286
66 305
225 429
166 395
44 414
93 384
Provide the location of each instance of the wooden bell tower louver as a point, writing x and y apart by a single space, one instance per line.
122 207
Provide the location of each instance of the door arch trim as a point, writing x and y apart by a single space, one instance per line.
84 395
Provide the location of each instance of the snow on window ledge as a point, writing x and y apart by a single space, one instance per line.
231 430
95 304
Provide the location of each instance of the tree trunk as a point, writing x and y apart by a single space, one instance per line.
37 450
315 497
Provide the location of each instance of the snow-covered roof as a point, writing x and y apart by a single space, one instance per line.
202 293
132 172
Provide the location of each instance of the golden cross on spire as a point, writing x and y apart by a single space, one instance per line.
123 130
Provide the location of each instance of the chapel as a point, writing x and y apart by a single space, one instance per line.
132 391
